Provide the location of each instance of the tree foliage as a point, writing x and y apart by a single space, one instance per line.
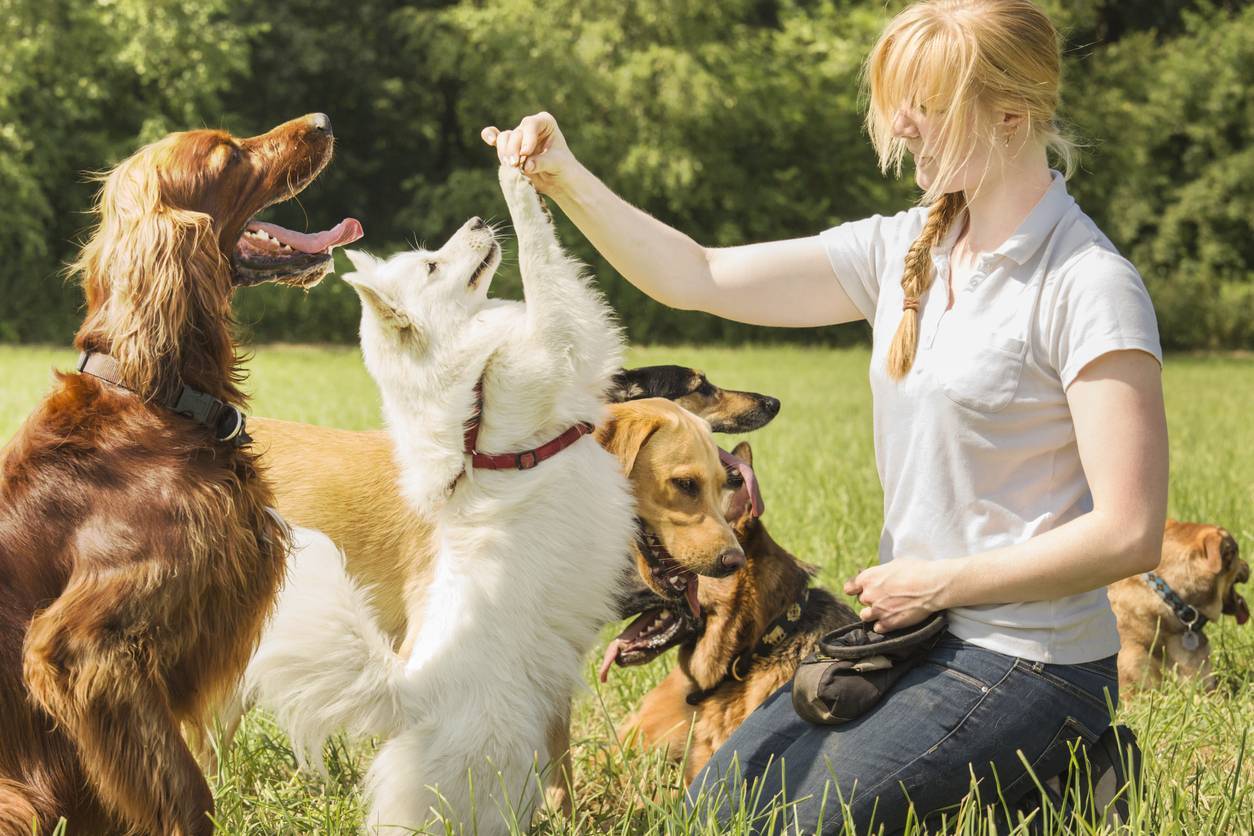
736 121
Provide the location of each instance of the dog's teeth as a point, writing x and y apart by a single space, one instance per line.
663 615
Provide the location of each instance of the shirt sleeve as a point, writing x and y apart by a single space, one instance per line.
857 251
1102 306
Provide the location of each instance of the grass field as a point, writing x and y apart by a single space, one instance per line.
818 477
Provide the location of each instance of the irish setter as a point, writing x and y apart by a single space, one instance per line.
137 557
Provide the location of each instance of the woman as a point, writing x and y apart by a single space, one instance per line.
1019 427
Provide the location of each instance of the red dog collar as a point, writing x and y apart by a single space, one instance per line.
525 460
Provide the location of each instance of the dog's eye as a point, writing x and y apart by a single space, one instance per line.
430 267
687 486
734 480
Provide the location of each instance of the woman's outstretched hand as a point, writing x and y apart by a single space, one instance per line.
536 146
900 593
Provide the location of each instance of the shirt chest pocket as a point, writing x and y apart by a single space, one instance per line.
981 371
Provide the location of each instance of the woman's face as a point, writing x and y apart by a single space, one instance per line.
918 127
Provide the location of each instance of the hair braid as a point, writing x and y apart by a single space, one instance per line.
916 278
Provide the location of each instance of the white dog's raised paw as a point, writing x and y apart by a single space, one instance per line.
519 193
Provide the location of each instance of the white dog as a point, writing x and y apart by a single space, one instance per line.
527 561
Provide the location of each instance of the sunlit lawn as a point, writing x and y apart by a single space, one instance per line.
818 476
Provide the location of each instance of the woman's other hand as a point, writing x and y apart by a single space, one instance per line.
537 147
900 593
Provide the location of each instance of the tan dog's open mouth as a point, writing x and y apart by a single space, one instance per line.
1234 603
669 577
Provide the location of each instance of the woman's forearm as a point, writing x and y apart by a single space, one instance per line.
661 261
1086 553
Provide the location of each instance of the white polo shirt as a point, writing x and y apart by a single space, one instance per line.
975 446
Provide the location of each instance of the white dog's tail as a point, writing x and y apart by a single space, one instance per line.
323 665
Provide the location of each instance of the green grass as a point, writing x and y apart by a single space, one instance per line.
818 475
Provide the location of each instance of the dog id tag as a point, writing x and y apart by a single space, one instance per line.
1190 640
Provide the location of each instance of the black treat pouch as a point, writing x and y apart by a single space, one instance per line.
853 667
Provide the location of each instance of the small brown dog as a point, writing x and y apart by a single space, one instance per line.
1198 576
138 560
757 626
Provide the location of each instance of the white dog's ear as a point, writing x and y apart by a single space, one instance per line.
362 260
389 313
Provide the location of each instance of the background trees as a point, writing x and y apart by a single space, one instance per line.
736 120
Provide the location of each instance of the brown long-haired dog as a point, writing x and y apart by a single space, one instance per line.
137 557
756 627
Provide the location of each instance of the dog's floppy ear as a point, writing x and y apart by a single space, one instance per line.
744 452
1213 542
626 431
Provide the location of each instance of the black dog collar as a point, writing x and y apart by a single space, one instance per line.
1192 619
784 625
225 421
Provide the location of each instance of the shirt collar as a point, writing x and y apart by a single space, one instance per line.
1036 227
1039 223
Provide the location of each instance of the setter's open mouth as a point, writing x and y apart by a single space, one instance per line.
267 252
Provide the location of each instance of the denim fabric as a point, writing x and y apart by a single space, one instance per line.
964 714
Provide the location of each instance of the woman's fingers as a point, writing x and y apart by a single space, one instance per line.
535 130
489 134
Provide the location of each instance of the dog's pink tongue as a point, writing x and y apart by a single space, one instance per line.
345 232
757 506
608 660
1243 610
690 592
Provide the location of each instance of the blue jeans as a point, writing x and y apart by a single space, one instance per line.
964 714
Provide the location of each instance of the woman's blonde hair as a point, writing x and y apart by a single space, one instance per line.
961 61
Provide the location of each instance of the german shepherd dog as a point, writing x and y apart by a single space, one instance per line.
754 629
727 410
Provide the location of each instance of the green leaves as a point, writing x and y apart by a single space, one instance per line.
736 122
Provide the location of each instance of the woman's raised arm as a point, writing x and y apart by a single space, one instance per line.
780 283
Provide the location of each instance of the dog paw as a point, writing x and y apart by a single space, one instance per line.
519 193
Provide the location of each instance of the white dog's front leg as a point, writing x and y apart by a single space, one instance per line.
566 315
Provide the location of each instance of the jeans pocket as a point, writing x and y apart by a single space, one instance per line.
1053 759
1079 681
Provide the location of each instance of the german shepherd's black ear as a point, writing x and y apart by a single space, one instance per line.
669 382
744 452
628 428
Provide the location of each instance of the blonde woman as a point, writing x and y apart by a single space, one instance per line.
1018 416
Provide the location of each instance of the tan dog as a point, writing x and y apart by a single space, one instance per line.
758 625
344 484
1201 565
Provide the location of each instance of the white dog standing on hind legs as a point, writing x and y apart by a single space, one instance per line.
528 556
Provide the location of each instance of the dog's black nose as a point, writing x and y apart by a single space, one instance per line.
320 122
771 406
731 560
477 223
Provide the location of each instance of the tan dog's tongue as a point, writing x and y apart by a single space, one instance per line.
1243 610
691 594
